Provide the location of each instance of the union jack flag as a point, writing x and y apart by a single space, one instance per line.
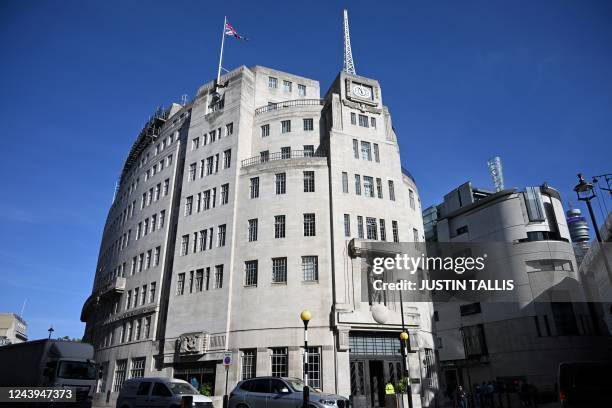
231 31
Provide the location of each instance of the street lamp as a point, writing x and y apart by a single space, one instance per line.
51 330
586 193
305 316
404 341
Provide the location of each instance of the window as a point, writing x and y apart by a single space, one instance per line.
366 153
180 284
347 225
156 256
199 280
185 245
248 359
250 278
152 292
280 182
301 90
128 300
160 390
470 309
265 130
203 238
308 124
153 222
373 122
395 231
309 225
279 362
285 152
308 150
310 268
224 193
138 365
344 182
285 126
229 129
368 186
227 159
287 86
253 230
195 143
146 330
206 200
360 226
353 118
218 276
415 235
209 165
264 156
379 188
411 196
279 226
189 205
140 262
309 181
272 83
462 230
357 184
221 235
356 148
363 121
372 230
192 171
166 187
313 366
383 231
376 152
254 189
279 270
120 371
391 191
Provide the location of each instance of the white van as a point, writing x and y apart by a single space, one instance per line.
159 392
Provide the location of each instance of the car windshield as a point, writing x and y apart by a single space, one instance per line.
77 370
298 385
182 388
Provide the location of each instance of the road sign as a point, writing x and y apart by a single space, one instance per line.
227 359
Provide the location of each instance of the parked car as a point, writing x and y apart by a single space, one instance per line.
584 384
281 392
159 392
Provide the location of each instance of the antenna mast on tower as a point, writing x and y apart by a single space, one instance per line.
495 168
349 65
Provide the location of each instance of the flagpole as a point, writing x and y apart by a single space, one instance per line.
221 54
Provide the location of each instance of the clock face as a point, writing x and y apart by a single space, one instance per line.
362 91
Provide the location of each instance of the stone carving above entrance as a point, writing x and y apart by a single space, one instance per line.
192 343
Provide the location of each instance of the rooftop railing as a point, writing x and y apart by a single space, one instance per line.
293 154
274 106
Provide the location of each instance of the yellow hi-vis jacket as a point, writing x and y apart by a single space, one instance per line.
389 389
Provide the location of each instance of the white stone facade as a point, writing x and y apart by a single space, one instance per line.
267 261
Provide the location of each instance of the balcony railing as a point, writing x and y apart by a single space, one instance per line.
293 154
288 104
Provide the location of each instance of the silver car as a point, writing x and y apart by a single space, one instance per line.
281 392
159 392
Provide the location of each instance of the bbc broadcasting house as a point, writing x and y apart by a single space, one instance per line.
233 214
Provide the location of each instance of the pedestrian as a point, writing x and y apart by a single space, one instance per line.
524 394
490 396
195 383
461 398
500 389
477 395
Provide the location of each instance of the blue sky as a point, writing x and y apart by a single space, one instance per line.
528 80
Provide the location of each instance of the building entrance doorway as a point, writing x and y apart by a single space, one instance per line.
375 360
199 374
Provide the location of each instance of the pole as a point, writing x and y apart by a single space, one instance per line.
405 354
221 53
306 390
467 366
598 235
225 397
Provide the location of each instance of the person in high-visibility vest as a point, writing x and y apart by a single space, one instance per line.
389 389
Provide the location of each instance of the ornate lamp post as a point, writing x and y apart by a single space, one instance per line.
586 193
406 376
305 316
51 330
